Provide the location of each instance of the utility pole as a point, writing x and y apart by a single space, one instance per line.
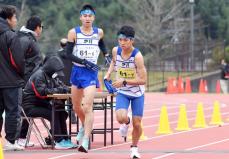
192 34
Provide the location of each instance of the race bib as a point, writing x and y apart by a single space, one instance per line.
126 73
90 53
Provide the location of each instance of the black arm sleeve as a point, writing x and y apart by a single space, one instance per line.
70 56
102 47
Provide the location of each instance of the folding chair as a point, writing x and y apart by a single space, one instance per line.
33 127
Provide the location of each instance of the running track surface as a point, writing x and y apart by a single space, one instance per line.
211 142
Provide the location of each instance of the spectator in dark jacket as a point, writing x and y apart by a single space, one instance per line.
28 36
11 81
36 104
224 76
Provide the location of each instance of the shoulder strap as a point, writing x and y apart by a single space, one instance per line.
77 29
135 51
119 51
95 30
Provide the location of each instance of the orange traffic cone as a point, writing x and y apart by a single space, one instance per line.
180 86
175 89
188 88
201 86
170 85
205 86
218 87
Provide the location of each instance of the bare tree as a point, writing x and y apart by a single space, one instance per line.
157 22
24 13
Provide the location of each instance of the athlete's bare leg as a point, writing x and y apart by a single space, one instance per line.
77 96
137 130
121 116
89 94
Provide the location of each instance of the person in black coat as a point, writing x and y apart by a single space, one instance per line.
224 67
12 72
36 104
28 36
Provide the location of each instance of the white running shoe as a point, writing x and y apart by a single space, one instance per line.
134 153
22 142
123 130
13 147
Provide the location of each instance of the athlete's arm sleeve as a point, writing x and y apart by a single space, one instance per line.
102 47
70 56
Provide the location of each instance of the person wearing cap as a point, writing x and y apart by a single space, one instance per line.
128 63
36 104
83 47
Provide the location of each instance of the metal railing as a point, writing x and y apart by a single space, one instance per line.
157 75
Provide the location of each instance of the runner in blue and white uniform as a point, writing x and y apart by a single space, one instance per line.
83 48
128 63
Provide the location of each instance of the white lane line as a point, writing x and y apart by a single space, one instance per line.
209 144
193 148
128 143
61 156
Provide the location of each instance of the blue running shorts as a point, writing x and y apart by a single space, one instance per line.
81 77
137 103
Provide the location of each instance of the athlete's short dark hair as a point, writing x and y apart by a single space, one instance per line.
33 23
128 31
88 7
7 11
